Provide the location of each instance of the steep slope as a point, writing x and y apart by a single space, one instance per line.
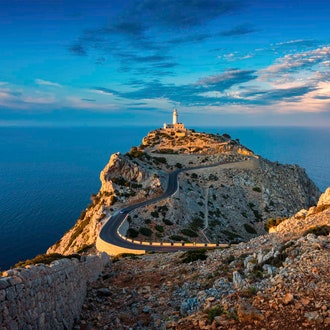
229 202
275 281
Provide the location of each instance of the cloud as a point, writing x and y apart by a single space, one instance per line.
102 90
179 13
280 94
298 61
195 93
189 39
46 83
239 30
228 78
142 27
231 57
88 100
297 42
78 49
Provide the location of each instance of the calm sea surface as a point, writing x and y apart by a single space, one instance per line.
48 174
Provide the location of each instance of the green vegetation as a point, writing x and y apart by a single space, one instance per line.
249 229
194 176
77 230
273 222
159 228
257 189
249 292
229 259
189 232
196 223
145 231
131 256
44 259
168 222
85 248
318 230
120 181
167 151
136 153
177 238
213 177
231 235
193 255
155 214
214 311
159 160
132 233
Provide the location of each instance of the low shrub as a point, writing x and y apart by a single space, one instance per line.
189 232
159 228
273 222
257 189
213 312
44 259
193 255
145 231
177 238
168 222
132 233
249 229
318 230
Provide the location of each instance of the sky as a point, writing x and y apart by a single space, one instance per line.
130 62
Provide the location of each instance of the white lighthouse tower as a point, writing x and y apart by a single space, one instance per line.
175 117
175 127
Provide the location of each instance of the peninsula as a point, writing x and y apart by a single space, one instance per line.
248 240
182 188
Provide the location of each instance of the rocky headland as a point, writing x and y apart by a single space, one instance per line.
228 203
273 275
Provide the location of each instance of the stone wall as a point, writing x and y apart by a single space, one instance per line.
47 296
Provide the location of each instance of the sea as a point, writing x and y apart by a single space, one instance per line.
47 175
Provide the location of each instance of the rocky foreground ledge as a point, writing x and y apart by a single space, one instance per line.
275 281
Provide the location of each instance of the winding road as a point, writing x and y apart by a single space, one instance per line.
109 236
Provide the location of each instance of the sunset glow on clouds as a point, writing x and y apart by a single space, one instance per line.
104 62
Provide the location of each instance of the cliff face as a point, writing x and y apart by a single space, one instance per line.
229 202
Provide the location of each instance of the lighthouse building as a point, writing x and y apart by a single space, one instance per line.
175 126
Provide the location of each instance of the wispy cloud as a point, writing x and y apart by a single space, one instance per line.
228 78
47 83
298 61
297 42
231 57
139 34
88 100
239 30
103 90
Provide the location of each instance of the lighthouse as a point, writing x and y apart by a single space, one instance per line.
175 117
175 127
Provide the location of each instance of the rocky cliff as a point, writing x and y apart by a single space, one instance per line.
229 202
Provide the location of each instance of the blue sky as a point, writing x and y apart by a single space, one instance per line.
121 62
